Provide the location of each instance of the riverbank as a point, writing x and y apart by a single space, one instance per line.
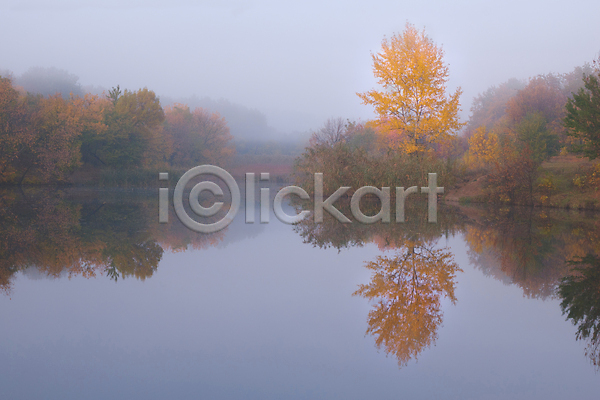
566 182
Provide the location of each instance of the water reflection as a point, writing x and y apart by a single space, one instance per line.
529 247
112 233
580 294
526 247
331 233
406 290
115 234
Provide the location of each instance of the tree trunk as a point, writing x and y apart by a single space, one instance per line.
23 177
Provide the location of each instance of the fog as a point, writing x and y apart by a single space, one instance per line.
290 66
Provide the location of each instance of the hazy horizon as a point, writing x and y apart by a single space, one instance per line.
298 64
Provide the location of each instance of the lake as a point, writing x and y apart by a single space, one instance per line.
98 300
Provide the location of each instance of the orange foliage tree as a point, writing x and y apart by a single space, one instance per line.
57 124
15 135
40 136
196 137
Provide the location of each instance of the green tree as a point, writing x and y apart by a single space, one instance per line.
533 132
583 117
133 126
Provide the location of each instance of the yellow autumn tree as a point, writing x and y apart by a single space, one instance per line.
414 110
484 148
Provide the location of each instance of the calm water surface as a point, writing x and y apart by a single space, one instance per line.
99 301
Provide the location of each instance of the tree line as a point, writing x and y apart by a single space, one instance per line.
45 139
517 126
513 129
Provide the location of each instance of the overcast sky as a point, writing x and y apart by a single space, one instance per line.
298 62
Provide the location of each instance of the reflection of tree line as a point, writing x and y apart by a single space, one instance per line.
528 246
522 246
547 254
116 235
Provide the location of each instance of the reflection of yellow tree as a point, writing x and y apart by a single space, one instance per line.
407 289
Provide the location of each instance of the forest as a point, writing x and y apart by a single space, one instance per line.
71 138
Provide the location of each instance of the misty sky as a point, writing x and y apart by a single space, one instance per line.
298 62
